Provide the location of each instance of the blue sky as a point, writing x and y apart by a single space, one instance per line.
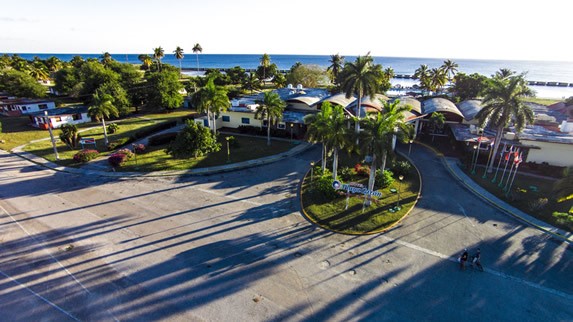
486 29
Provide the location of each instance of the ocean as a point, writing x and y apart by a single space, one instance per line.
539 71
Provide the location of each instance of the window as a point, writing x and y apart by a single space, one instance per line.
245 120
42 106
226 118
206 122
24 108
77 116
281 126
57 119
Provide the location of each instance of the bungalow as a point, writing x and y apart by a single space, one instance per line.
60 116
20 106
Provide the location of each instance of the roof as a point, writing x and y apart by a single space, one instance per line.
412 102
539 133
369 103
24 101
308 100
63 111
339 99
442 105
469 108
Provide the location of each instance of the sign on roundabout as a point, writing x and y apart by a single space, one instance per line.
355 188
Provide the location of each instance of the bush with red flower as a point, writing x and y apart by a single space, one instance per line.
85 155
120 157
139 148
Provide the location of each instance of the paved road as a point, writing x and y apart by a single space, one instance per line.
234 247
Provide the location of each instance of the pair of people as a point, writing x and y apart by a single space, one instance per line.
475 259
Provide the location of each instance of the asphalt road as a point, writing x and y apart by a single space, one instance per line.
234 247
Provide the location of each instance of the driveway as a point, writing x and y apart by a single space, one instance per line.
234 246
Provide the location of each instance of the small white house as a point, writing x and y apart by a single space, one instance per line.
60 116
17 107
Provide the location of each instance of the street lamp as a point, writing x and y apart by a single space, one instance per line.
228 138
52 135
291 126
410 147
474 163
311 170
400 178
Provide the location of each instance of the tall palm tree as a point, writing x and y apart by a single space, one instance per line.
318 129
379 131
39 73
197 49
423 74
179 56
106 59
270 108
338 137
146 61
54 64
213 100
389 73
360 78
503 104
265 61
336 65
503 73
438 79
101 109
158 54
449 68
251 82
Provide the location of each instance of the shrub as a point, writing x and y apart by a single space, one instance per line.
383 179
127 152
85 155
194 140
362 170
563 217
139 148
324 186
161 139
345 173
112 128
538 204
402 168
117 159
70 135
119 142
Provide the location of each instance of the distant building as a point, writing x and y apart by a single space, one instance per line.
60 116
21 106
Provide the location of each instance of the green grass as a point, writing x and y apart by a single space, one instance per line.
525 193
16 131
331 213
156 159
541 101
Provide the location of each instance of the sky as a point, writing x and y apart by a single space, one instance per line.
485 29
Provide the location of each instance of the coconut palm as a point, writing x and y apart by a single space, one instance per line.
106 59
101 109
449 68
265 61
39 73
438 79
503 73
213 100
502 104
338 137
389 73
197 49
360 78
270 108
336 65
54 64
179 56
158 54
379 132
251 82
318 129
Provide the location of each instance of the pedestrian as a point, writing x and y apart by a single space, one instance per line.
476 259
464 259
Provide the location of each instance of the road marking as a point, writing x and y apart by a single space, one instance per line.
239 199
39 296
464 212
493 272
50 254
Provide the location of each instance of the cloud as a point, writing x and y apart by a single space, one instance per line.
18 19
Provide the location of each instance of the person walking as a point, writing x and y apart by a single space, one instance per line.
463 259
476 260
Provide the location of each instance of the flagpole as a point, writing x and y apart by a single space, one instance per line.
514 174
488 158
513 162
472 165
505 168
498 164
509 175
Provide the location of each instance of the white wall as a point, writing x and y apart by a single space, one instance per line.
35 107
557 154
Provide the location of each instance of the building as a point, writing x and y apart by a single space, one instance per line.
60 116
21 106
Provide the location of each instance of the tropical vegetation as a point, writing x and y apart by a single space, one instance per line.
270 108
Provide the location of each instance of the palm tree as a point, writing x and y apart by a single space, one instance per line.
389 73
338 136
502 104
360 78
251 82
337 63
318 129
179 56
101 109
158 54
503 73
423 74
213 100
377 138
146 61
197 50
449 68
106 59
265 61
39 73
438 79
54 64
270 108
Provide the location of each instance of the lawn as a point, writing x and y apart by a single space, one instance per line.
156 159
530 194
332 213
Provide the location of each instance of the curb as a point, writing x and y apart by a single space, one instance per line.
552 231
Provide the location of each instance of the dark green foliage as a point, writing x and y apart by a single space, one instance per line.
308 76
346 173
112 128
323 185
70 135
66 81
153 129
468 86
383 179
402 168
218 78
163 90
85 155
20 84
161 139
194 140
233 142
